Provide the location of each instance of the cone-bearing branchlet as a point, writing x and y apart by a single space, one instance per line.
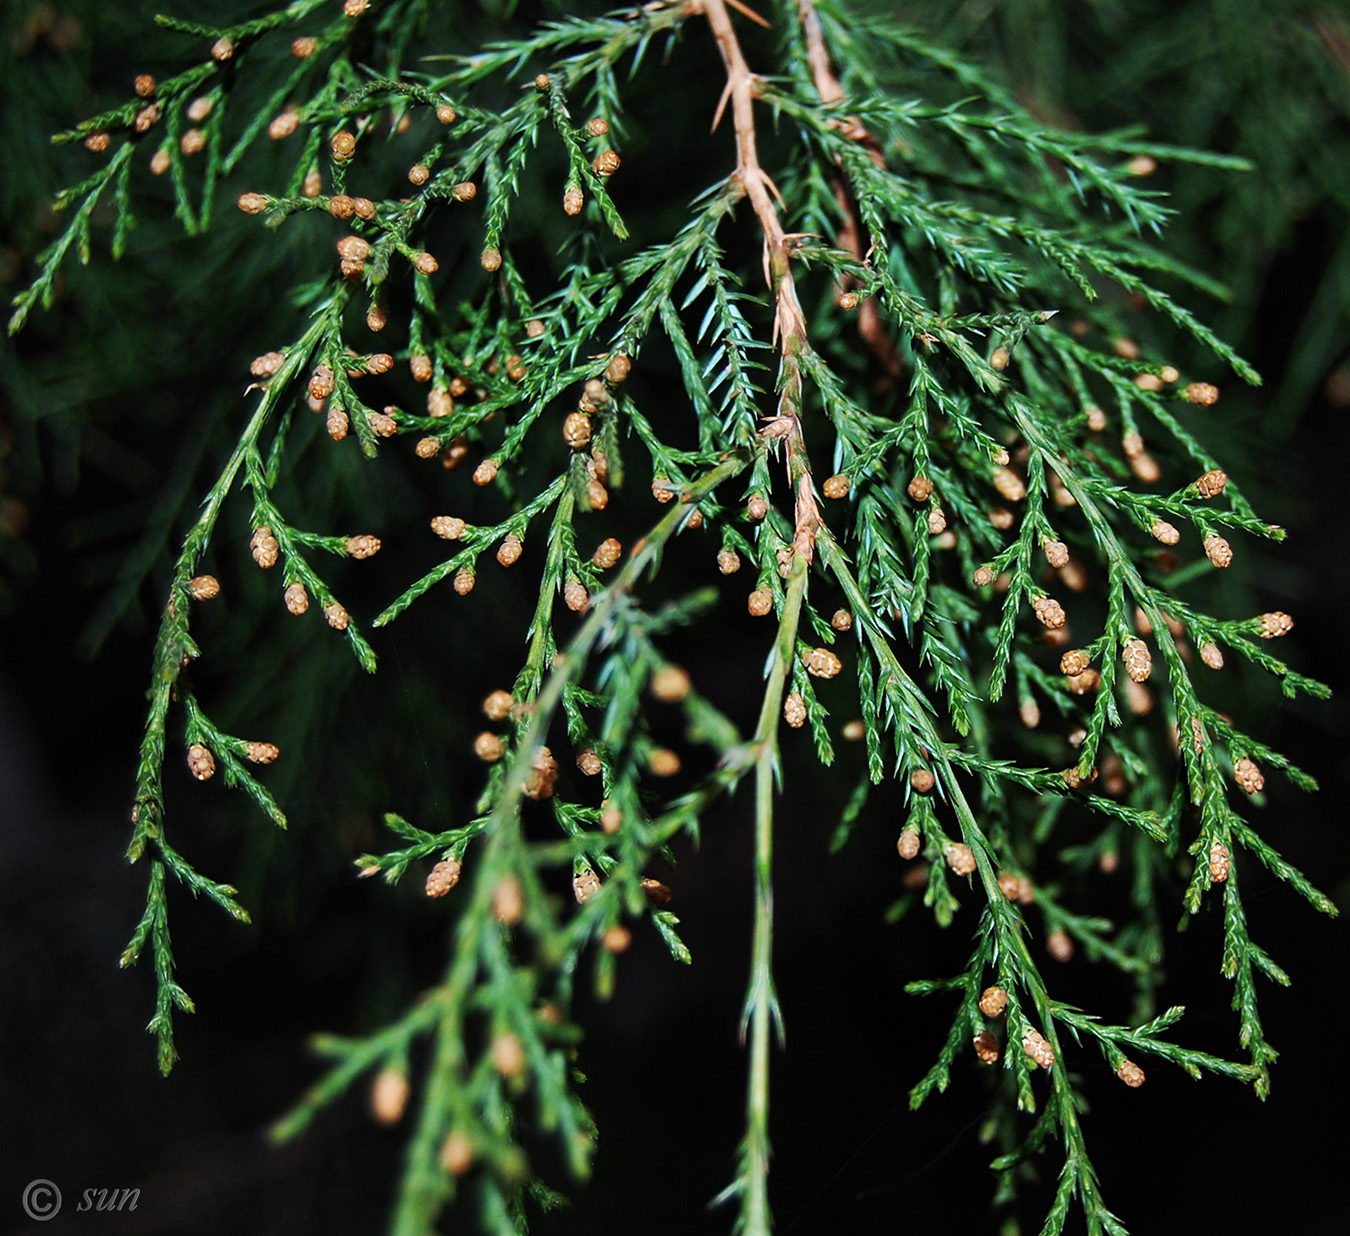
201 763
1248 776
993 1000
794 710
1275 624
444 876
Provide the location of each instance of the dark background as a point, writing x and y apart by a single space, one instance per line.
120 402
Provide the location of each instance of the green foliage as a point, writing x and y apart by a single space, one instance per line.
947 333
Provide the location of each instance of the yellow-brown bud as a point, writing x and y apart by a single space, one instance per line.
444 876
822 663
1275 624
961 859
1131 1074
1212 483
201 763
993 1000
389 1095
670 684
1248 776
264 547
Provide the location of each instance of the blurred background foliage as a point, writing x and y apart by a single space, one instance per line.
117 404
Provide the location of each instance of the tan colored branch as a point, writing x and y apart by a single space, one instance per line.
871 328
789 322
